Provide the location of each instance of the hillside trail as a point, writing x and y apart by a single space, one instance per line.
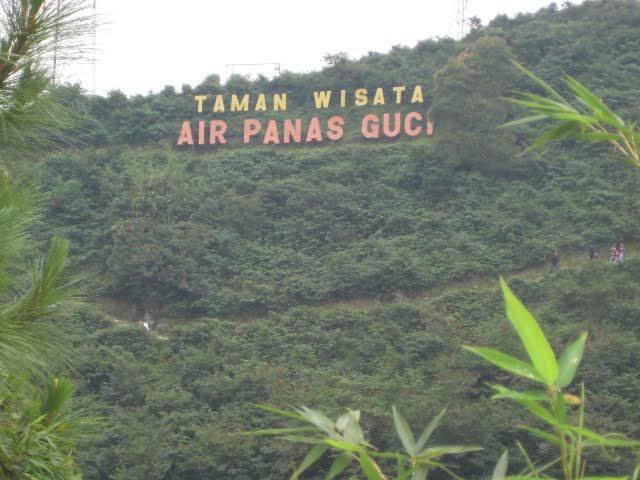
120 312
569 261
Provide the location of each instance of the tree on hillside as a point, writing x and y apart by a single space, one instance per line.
36 427
468 106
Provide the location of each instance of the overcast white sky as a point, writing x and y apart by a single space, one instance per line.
143 45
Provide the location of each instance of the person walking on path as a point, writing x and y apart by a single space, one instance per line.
555 261
593 253
620 251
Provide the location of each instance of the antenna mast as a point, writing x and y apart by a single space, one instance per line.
274 65
462 19
94 29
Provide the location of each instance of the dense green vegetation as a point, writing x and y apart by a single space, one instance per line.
250 231
176 402
243 251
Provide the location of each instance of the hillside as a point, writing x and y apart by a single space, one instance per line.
252 230
236 248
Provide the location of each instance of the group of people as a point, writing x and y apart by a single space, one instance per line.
616 252
616 255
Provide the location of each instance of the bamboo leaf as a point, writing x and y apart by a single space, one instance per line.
369 467
605 478
584 95
500 471
604 441
299 439
312 457
574 117
559 132
405 433
278 431
504 392
540 106
597 136
547 102
507 362
344 446
531 335
524 477
541 83
352 431
343 421
436 452
282 413
319 420
339 465
569 361
420 473
540 412
524 120
547 437
433 424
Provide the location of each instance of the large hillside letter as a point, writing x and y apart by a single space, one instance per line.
217 129
361 97
218 105
261 103
335 128
240 106
314 133
399 90
185 134
322 98
279 102
292 130
199 100
251 128
271 133
378 98
417 95
386 124
201 132
370 126
409 129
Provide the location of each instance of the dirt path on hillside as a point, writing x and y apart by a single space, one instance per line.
120 312
571 261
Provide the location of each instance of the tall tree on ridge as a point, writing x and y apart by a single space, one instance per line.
468 106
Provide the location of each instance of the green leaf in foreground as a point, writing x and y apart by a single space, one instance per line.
600 440
504 392
547 437
437 452
405 433
339 465
420 473
312 457
433 424
369 467
500 471
507 362
280 412
534 341
569 361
